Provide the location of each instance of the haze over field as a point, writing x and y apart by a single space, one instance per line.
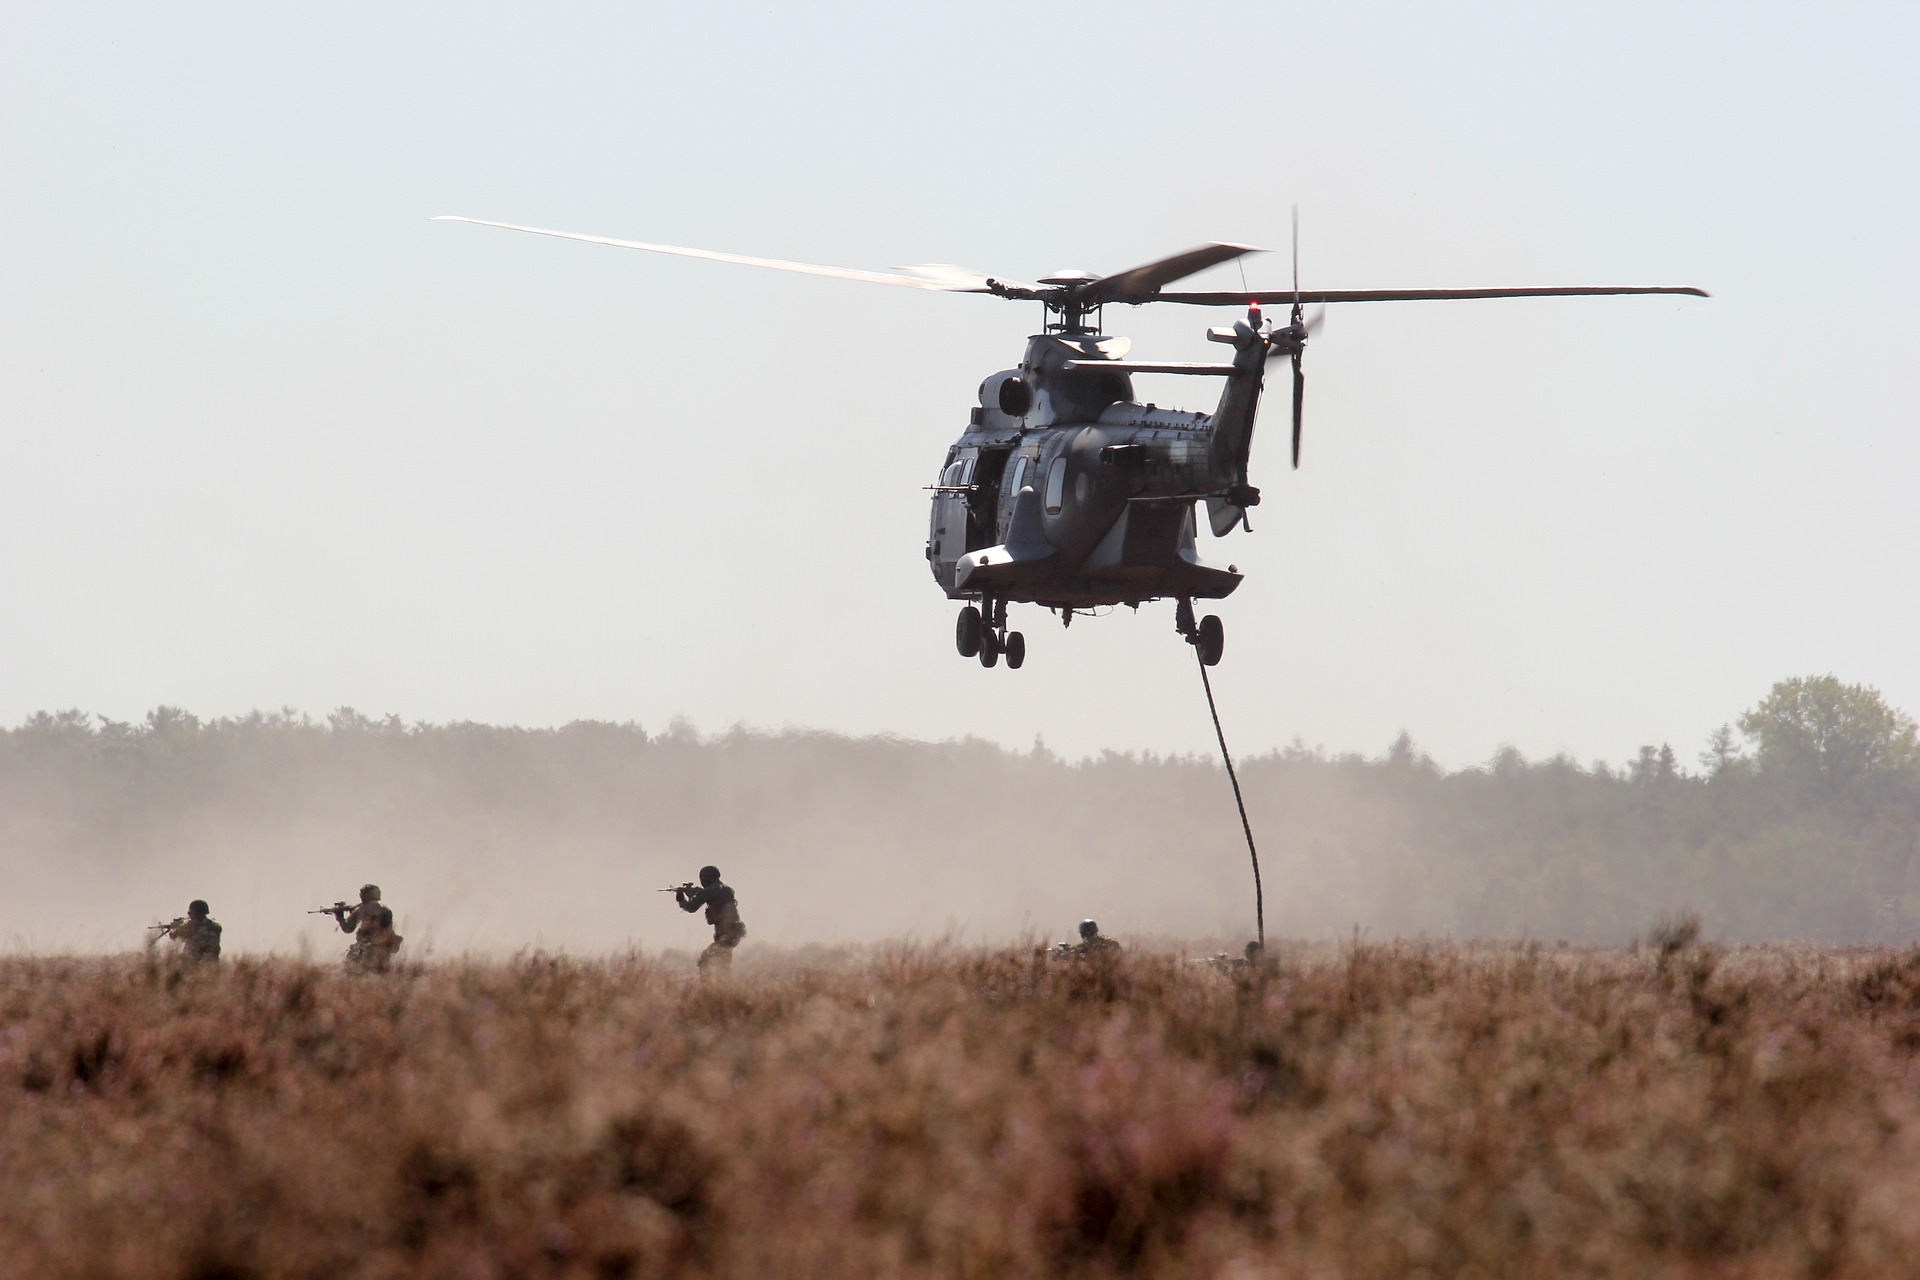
1805 824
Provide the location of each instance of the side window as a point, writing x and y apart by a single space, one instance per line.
1056 484
1019 477
951 476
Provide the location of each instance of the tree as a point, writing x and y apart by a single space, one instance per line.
1653 765
1833 735
1722 753
1644 768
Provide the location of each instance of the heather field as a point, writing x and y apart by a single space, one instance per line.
1357 1111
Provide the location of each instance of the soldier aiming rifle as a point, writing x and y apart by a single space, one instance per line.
1252 958
371 924
197 933
723 913
1092 943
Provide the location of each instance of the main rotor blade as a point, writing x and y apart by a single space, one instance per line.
1409 295
1137 284
940 279
948 278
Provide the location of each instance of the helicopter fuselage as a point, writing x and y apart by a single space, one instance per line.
1066 492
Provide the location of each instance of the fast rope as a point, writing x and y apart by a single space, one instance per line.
1259 900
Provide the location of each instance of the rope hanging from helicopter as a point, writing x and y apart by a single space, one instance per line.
1259 898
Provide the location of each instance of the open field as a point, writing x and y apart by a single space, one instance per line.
1368 1110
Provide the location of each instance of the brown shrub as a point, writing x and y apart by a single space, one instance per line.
931 1111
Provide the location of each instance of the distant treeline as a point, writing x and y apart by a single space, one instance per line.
1801 819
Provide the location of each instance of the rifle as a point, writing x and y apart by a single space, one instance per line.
166 930
335 909
678 888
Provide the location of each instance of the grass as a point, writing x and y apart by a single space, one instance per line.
1392 1111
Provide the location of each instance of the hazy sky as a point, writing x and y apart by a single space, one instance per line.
272 437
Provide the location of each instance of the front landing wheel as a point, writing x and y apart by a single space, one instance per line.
966 632
1211 640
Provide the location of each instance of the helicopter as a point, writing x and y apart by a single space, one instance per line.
1066 491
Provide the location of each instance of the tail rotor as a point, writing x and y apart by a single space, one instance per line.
1291 341
1299 343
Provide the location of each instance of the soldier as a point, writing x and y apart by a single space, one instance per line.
1253 958
371 924
723 913
197 933
1093 942
1092 945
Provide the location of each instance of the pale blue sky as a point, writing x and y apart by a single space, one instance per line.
274 438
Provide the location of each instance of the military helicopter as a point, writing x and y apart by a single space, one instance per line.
1067 492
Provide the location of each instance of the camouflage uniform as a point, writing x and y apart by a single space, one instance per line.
374 941
1093 942
197 934
199 939
723 913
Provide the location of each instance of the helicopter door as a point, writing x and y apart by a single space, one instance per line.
948 540
983 503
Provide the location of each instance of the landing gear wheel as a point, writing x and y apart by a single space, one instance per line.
967 631
1211 639
1016 647
989 651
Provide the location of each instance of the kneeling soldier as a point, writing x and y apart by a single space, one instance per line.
197 933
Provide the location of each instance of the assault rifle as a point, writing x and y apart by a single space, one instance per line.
166 930
678 888
327 911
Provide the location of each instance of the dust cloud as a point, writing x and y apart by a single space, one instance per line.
489 840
